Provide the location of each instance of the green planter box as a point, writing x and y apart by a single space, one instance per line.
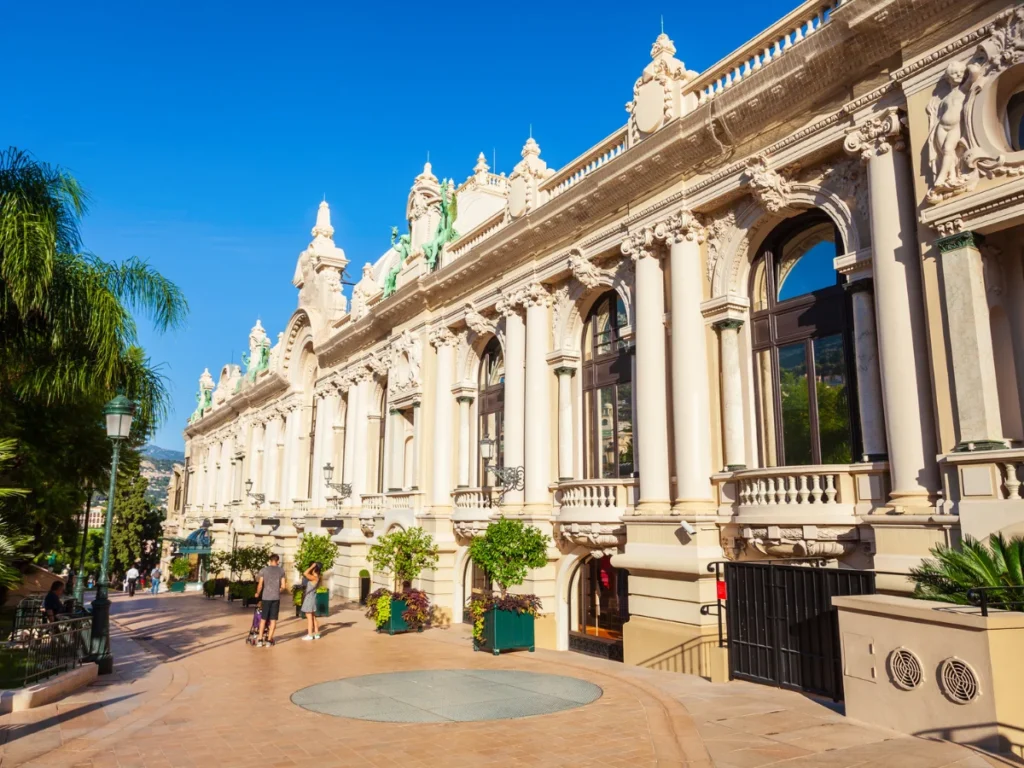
323 603
506 631
176 586
395 623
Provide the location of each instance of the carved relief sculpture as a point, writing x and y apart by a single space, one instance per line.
771 189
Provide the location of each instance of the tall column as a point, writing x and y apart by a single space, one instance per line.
651 399
732 393
316 496
902 343
256 462
537 430
515 393
565 422
360 448
288 463
970 342
465 402
396 471
869 383
417 425
347 469
270 459
691 428
441 455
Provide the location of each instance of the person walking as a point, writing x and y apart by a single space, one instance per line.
268 592
132 577
154 577
310 582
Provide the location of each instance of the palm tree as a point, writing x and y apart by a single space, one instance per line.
11 544
66 324
954 572
68 342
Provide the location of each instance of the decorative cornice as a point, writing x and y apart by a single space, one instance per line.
640 243
442 337
681 225
879 135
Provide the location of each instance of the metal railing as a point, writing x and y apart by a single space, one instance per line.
1006 598
45 649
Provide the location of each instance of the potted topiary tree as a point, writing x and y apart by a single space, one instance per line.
246 561
180 570
506 552
315 549
403 554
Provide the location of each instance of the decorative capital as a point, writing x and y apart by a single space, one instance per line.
565 370
640 243
536 295
878 136
464 399
959 240
681 225
864 285
729 324
771 189
508 304
584 270
442 337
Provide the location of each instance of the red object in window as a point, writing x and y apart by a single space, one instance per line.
720 589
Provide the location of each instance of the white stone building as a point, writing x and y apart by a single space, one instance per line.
779 314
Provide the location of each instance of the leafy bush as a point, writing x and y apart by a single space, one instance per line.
403 554
180 568
955 571
218 562
210 587
416 613
242 590
509 550
316 549
297 595
248 560
479 605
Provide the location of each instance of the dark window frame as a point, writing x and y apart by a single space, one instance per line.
490 402
803 319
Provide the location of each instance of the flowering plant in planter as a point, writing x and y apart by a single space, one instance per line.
403 554
507 552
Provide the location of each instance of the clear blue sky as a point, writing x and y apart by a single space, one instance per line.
207 133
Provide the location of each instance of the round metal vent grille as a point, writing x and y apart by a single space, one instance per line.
958 681
905 668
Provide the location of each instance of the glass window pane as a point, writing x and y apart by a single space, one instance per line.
588 435
602 328
766 408
833 400
625 436
760 289
796 411
807 263
620 312
606 422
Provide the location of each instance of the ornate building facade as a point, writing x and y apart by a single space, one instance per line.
779 314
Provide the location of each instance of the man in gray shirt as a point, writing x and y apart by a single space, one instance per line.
268 590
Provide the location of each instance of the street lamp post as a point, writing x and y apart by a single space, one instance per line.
257 498
119 413
509 478
344 490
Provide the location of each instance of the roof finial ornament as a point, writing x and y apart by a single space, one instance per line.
323 226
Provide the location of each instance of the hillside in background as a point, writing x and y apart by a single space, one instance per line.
156 466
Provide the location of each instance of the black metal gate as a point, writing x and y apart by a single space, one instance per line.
782 628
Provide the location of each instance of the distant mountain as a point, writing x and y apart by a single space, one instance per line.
151 451
156 466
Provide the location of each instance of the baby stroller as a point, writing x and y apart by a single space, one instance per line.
254 631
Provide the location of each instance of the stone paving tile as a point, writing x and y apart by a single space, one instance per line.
194 695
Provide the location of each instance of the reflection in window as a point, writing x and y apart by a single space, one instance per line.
607 391
491 404
800 335
602 599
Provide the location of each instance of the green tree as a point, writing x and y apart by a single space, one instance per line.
316 549
136 522
508 550
11 543
403 554
249 560
68 342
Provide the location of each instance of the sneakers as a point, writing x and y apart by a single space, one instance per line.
309 637
316 636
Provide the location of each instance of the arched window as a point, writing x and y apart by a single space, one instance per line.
802 346
491 403
607 391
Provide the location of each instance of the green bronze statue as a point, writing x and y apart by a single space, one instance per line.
402 246
445 232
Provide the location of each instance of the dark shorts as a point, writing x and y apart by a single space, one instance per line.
271 609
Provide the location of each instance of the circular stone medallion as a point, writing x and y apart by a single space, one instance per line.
447 695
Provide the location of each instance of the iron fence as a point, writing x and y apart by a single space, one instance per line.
1006 598
38 651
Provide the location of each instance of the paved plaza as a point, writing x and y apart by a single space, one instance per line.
189 692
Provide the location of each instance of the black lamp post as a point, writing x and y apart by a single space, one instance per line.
344 490
509 478
119 413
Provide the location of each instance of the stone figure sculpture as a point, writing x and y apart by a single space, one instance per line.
402 246
258 358
945 130
445 232
204 397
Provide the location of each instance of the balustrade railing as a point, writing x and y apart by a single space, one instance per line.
372 502
404 501
974 476
767 47
577 170
474 500
601 498
837 488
